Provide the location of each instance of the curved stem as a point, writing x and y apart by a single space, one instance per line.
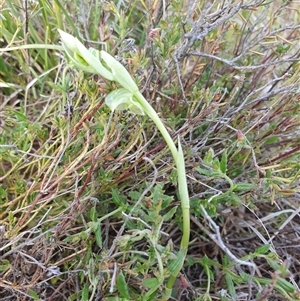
153 115
182 187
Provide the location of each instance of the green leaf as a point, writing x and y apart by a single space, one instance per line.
33 294
271 140
203 171
85 293
177 263
170 214
208 158
263 249
273 263
5 264
93 214
20 116
122 286
116 198
285 285
230 286
234 197
134 195
244 187
150 282
98 236
223 163
244 277
216 166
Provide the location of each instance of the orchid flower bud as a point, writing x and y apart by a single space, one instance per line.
89 60
82 58
120 74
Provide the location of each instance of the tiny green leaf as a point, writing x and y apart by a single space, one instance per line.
170 214
203 171
263 249
33 294
122 286
271 140
244 186
230 286
177 263
208 158
98 236
150 282
85 293
285 285
273 264
223 163
5 265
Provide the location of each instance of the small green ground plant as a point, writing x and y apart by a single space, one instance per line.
95 205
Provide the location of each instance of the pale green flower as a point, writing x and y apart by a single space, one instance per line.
89 60
122 99
82 58
120 74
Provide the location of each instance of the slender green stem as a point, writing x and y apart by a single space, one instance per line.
182 185
184 197
153 115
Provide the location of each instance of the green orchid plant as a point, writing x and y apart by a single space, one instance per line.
128 97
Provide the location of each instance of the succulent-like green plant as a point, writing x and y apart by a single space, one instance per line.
128 97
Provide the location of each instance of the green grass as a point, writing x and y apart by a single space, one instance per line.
89 203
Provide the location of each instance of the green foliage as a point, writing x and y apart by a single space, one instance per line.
80 206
